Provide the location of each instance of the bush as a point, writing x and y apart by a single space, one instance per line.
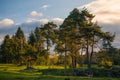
107 64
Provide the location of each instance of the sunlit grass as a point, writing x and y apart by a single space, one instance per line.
13 72
49 67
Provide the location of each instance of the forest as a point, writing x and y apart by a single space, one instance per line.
78 44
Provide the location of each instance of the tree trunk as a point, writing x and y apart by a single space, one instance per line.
65 60
65 54
47 43
75 63
91 54
81 54
87 55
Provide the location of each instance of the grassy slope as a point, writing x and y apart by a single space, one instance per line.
12 72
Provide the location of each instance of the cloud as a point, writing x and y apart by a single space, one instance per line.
44 21
107 12
57 20
113 28
29 20
6 23
35 14
1 38
45 7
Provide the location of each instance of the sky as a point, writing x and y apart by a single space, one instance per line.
32 13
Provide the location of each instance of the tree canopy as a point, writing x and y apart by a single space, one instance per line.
75 41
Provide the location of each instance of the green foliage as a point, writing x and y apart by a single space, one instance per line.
31 39
53 59
114 54
6 50
104 60
41 61
79 32
19 34
107 64
30 56
48 32
81 60
75 36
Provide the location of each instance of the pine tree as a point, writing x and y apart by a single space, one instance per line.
6 50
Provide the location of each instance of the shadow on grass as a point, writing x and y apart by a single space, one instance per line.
115 72
56 72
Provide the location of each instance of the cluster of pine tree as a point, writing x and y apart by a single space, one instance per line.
75 40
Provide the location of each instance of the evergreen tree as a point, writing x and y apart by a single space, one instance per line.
19 43
20 34
48 33
31 39
6 50
80 32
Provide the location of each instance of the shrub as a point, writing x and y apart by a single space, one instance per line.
107 64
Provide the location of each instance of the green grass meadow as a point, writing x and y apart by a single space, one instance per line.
13 72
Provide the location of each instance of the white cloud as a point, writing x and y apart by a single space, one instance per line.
35 14
6 22
2 37
29 20
45 6
107 12
44 21
57 20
